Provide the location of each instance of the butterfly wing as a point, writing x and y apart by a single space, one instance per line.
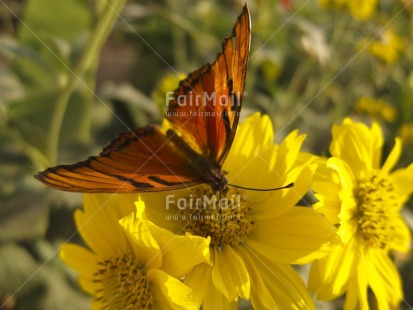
146 160
205 108
140 161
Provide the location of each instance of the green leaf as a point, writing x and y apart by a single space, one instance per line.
10 87
63 19
140 106
24 215
17 266
38 285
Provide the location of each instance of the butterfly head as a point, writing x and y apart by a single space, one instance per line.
219 184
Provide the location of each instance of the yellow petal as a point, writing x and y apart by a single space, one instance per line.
115 206
242 169
180 253
383 279
252 134
84 262
393 157
160 208
273 204
334 270
361 283
356 295
302 177
78 258
216 300
89 285
98 224
322 289
199 280
169 293
376 141
274 286
140 209
288 151
403 179
348 202
298 236
352 142
97 304
345 174
146 249
348 228
401 240
229 274
252 148
326 187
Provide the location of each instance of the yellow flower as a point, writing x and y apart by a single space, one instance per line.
360 9
363 9
261 233
376 108
388 47
163 92
364 200
406 132
336 4
131 263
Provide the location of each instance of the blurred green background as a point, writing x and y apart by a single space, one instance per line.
75 73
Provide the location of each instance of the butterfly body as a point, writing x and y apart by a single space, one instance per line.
210 172
203 114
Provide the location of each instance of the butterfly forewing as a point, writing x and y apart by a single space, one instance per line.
206 106
139 161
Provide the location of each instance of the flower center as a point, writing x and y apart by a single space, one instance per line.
201 215
377 206
123 284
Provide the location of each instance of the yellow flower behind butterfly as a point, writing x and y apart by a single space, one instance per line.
406 133
377 108
130 262
360 9
363 198
388 47
260 233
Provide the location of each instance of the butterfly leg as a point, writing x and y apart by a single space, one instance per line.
221 233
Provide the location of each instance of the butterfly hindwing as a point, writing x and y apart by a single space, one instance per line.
139 161
205 108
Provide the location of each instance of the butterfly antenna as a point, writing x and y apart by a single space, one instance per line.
221 230
263 189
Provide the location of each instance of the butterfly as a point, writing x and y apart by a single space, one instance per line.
203 113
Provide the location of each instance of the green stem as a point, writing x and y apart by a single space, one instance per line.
96 40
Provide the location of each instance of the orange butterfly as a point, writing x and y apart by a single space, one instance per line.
204 113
